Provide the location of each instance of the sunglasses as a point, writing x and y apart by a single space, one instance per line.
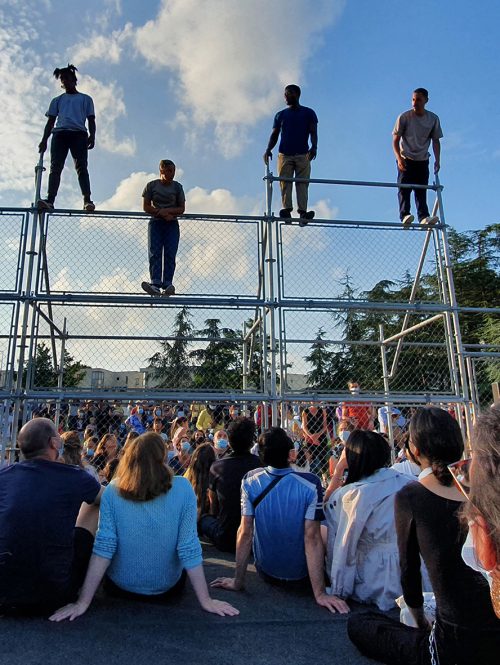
461 475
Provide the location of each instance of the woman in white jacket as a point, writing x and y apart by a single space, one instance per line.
362 551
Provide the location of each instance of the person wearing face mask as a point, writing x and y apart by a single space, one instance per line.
360 414
134 421
429 525
221 443
180 462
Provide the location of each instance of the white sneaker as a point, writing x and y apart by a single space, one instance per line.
152 289
429 221
407 220
168 290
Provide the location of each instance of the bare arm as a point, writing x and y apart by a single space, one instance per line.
315 555
436 149
304 424
314 141
273 140
42 146
197 579
96 570
91 141
243 551
397 151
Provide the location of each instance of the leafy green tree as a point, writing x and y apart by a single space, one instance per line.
320 360
218 366
46 376
172 365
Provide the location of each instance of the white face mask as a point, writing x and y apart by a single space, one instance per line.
344 435
354 391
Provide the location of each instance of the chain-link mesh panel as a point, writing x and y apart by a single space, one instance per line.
485 373
109 255
112 348
7 344
13 225
326 349
327 261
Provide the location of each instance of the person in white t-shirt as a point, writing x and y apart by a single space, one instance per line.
71 110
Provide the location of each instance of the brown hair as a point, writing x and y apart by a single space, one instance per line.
72 453
197 473
485 477
101 446
142 474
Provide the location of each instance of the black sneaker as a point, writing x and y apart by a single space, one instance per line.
89 206
152 289
285 213
305 216
44 204
168 290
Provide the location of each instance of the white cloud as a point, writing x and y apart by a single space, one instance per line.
102 47
233 59
21 93
109 105
127 195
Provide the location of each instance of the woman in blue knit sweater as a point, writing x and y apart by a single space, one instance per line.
147 539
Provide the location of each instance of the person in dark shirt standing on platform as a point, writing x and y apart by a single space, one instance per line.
163 199
296 124
412 134
46 534
225 483
71 110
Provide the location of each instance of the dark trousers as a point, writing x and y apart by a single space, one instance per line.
416 173
62 143
388 641
163 241
209 526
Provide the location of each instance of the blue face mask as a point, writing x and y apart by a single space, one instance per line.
222 444
141 411
186 446
345 435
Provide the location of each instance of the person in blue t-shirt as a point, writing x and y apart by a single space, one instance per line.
71 110
296 124
281 513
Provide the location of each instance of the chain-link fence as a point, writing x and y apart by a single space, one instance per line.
264 313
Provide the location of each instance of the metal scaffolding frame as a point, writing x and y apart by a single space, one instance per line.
32 300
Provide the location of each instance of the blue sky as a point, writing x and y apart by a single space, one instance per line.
199 81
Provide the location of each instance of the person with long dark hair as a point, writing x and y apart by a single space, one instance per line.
362 551
198 474
429 525
147 540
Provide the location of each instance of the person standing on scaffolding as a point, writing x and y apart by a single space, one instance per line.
71 110
296 124
163 199
412 134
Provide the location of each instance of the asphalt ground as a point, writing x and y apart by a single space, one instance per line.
274 626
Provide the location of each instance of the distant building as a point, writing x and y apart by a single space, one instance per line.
97 378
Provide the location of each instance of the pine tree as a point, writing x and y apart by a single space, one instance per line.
171 365
320 359
219 365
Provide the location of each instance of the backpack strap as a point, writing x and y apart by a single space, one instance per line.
267 489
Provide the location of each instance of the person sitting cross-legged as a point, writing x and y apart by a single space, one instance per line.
281 514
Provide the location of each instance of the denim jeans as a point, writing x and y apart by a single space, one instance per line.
416 173
62 143
163 241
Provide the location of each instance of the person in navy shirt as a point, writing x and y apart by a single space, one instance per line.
281 513
296 124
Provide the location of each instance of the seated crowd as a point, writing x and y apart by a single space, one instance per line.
90 507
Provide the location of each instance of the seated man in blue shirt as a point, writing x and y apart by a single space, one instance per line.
295 123
281 512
